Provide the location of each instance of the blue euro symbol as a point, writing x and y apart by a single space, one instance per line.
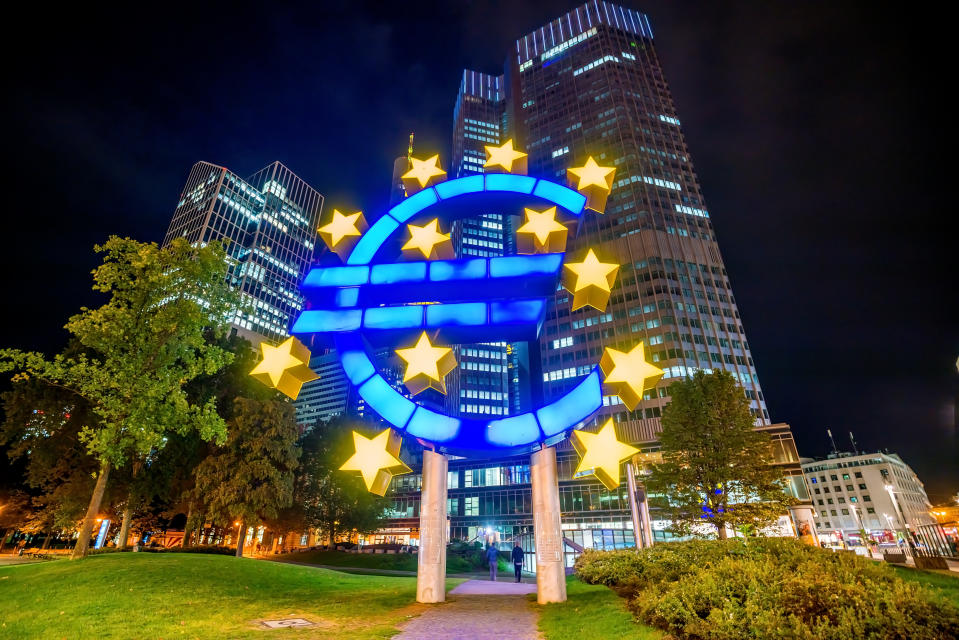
365 304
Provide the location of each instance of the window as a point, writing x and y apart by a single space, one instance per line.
813 480
817 491
471 506
825 489
820 501
853 499
833 477
829 500
822 478
833 512
870 510
859 474
842 501
866 499
862 487
849 487
845 512
823 512
837 489
845 476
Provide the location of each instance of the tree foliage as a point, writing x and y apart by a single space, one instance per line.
140 349
717 469
333 500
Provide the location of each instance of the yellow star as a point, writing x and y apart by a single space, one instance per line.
541 233
505 157
285 367
423 174
590 281
429 241
600 454
343 232
626 374
377 459
594 182
426 365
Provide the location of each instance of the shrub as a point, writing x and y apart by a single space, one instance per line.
768 588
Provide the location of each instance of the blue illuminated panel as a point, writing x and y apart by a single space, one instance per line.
457 314
517 312
513 431
522 266
336 276
393 272
393 317
327 320
509 182
386 401
413 205
371 241
357 366
347 297
472 269
570 200
453 188
433 426
574 407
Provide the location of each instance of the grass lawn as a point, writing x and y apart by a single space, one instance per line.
139 595
591 611
391 561
946 582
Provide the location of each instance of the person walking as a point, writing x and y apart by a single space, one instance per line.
492 556
518 561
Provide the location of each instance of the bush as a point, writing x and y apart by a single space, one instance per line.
768 588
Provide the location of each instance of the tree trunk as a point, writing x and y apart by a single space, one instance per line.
241 536
46 541
3 538
721 531
186 526
332 529
83 542
125 526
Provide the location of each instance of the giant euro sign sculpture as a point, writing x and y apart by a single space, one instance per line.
397 288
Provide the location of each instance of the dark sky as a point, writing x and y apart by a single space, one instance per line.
821 134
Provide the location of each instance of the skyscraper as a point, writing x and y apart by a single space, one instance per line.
589 83
269 221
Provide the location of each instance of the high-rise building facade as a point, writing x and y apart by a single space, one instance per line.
269 221
590 84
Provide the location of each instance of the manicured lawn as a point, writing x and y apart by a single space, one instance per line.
391 561
196 596
946 582
591 611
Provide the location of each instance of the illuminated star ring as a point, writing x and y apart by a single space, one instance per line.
469 300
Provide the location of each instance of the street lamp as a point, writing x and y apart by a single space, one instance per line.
899 514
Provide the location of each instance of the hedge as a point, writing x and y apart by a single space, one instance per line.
775 588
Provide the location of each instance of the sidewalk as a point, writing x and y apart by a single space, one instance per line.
478 609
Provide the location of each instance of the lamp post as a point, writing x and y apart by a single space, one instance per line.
862 527
899 514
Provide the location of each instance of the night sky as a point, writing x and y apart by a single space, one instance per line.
820 134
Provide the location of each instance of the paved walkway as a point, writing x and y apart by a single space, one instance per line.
478 609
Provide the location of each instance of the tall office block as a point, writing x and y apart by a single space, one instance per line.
269 221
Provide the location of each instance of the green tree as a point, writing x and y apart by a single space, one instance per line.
717 469
144 344
250 477
336 501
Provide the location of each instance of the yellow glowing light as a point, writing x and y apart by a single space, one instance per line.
422 174
343 231
590 281
429 241
594 182
628 374
541 233
600 454
506 159
285 367
426 365
377 459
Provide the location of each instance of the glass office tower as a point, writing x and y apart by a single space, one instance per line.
589 83
269 221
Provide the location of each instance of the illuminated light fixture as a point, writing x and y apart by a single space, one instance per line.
426 365
590 281
506 159
343 232
628 374
285 367
429 241
422 174
377 459
600 454
594 182
541 233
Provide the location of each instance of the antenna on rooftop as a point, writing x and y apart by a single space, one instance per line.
836 452
853 441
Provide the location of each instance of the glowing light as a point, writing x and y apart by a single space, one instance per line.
429 241
600 454
590 281
285 367
628 374
377 459
541 233
506 158
426 365
594 182
343 232
422 174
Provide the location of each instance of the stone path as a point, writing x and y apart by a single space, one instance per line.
478 609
